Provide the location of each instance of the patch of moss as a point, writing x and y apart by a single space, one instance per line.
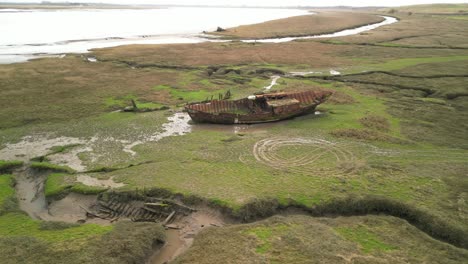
56 185
368 241
265 235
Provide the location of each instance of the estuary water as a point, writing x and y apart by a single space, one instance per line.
25 34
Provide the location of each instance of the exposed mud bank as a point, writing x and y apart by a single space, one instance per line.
91 181
73 208
182 225
30 192
197 214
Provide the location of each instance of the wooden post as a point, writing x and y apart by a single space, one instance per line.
135 107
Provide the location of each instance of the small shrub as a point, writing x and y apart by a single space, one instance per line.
341 98
365 134
375 122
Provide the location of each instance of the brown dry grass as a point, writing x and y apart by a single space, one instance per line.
311 53
321 23
364 134
417 30
339 97
52 90
432 9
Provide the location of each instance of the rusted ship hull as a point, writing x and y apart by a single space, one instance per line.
263 108
229 118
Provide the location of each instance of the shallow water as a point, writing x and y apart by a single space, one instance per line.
177 125
33 32
274 79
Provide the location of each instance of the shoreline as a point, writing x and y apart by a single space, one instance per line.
87 45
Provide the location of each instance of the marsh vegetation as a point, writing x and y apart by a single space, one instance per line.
379 176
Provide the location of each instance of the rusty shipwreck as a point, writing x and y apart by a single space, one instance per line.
258 108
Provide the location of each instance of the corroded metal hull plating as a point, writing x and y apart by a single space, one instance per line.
260 108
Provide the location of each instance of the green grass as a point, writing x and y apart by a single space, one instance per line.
121 102
402 63
55 185
59 184
6 190
51 167
264 236
84 189
406 145
16 224
187 95
9 165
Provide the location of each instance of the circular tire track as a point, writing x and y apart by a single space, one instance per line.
268 151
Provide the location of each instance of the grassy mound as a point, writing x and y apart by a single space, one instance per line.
300 239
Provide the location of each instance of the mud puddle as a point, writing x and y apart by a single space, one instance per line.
274 80
30 192
178 125
73 209
334 72
302 73
34 146
181 234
